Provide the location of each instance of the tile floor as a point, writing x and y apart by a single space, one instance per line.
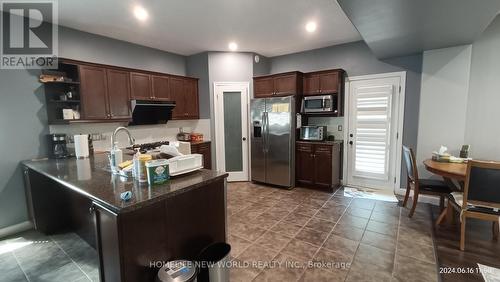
276 235
307 235
32 256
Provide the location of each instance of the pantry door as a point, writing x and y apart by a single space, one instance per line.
231 129
375 111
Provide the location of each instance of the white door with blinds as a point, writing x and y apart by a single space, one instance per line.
375 112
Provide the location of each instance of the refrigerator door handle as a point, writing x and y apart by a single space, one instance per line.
264 142
267 132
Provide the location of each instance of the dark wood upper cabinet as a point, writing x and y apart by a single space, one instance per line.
283 84
263 87
286 85
324 82
94 93
118 83
329 82
104 92
140 86
191 99
311 84
161 88
177 94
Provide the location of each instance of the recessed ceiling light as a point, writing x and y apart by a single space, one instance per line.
233 46
311 26
140 13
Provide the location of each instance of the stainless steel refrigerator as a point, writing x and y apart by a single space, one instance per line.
273 140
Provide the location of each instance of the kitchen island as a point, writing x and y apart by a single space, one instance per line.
175 220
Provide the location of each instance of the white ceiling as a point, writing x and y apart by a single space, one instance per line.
186 27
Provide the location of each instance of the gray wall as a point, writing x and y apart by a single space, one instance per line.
23 123
197 66
227 67
263 67
357 59
23 120
482 130
90 47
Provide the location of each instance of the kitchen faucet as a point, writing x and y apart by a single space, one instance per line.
131 139
115 156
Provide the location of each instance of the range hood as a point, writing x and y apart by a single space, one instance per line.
151 111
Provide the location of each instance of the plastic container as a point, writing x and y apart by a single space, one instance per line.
213 261
196 137
157 171
116 157
142 174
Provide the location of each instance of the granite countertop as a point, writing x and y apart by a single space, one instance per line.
199 142
92 178
321 142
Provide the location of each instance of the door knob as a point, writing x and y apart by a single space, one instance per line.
350 142
244 139
351 135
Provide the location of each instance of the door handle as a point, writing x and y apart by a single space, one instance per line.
244 139
350 142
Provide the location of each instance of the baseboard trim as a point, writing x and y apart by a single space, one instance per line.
421 198
16 228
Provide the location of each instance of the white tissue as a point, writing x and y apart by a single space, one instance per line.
170 150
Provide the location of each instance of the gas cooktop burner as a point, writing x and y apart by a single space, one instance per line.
143 148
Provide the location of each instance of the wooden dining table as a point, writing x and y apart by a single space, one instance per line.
449 172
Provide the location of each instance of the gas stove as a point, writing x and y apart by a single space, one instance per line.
147 147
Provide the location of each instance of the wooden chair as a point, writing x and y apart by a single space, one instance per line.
421 186
481 197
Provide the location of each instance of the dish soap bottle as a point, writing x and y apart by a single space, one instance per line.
116 157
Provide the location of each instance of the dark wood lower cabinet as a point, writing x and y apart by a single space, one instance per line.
203 149
132 244
304 163
318 164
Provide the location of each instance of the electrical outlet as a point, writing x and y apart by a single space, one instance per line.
339 127
97 137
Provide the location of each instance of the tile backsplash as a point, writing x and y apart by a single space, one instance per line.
141 133
332 124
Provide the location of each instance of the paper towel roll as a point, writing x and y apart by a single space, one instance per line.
81 145
83 169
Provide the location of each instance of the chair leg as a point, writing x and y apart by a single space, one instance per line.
407 194
414 206
441 217
445 213
496 229
462 232
450 214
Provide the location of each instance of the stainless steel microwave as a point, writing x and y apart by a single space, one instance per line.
319 104
313 133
